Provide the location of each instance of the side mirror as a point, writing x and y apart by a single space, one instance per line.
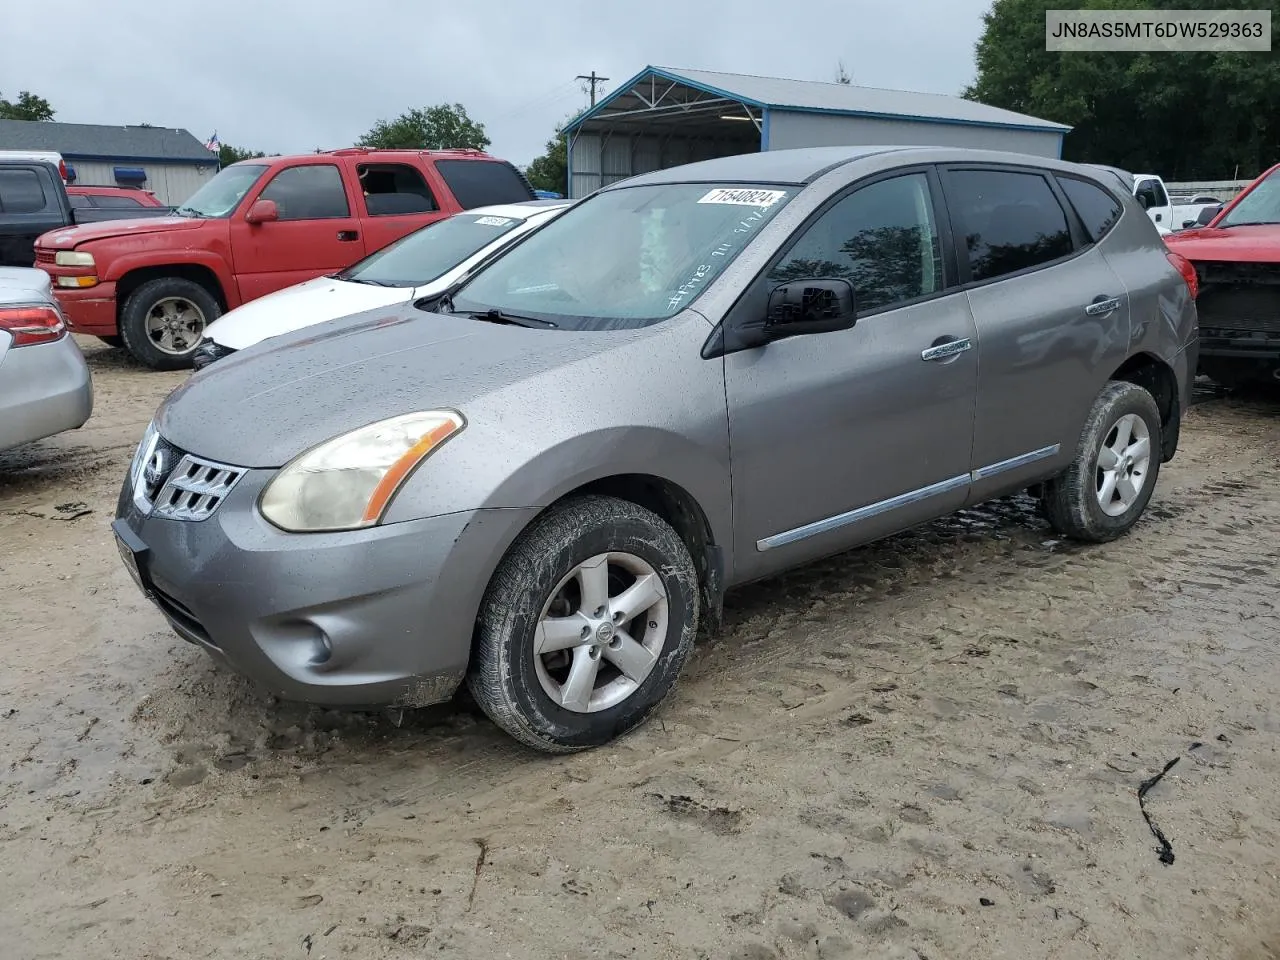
802 307
1207 214
262 211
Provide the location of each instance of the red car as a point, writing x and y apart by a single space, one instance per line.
111 198
152 285
1237 261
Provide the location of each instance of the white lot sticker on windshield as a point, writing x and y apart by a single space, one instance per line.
493 221
745 198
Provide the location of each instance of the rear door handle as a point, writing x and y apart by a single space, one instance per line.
1102 306
348 235
940 351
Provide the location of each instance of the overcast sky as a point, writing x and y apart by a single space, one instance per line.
286 76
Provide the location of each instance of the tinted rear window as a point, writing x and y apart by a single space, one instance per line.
21 191
1010 221
1098 209
480 183
114 201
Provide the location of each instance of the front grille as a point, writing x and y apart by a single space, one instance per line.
195 488
176 485
46 256
1239 297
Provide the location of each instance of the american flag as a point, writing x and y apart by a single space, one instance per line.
212 143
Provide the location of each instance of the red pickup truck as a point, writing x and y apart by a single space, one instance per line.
153 285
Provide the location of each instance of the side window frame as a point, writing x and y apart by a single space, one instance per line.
1074 220
950 192
760 282
266 185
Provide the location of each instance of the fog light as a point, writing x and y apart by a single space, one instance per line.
77 282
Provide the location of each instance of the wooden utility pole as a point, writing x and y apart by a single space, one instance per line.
593 80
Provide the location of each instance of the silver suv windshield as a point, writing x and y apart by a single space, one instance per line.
626 257
1260 205
431 252
220 196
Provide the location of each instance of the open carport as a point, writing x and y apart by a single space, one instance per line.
663 117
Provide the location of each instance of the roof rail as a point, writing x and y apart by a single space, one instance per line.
359 151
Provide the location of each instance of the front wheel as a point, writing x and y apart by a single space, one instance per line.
1110 481
163 320
585 625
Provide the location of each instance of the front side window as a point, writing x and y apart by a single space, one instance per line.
431 252
21 191
1259 205
1151 193
1098 209
1009 221
312 192
625 257
114 202
882 238
79 201
220 196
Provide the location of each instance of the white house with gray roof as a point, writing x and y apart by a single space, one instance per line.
168 161
663 117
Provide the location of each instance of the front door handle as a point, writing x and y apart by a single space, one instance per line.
941 351
348 235
1102 306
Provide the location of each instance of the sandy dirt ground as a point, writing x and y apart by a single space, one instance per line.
927 749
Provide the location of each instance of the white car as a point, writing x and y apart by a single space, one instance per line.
422 264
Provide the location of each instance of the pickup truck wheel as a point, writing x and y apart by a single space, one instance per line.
163 321
1108 485
585 625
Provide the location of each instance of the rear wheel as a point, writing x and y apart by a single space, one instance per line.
1110 482
585 625
163 320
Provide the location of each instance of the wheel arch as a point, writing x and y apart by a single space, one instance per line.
199 273
1154 375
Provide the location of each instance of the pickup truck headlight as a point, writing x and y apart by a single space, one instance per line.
73 258
348 482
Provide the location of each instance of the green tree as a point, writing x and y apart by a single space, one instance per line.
1186 116
551 170
430 128
27 107
227 154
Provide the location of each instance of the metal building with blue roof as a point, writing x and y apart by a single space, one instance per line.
664 116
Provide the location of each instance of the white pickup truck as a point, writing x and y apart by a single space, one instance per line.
1154 197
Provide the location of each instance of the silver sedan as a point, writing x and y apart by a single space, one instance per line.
45 386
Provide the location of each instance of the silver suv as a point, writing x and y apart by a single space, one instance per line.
545 481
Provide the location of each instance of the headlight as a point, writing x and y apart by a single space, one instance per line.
73 258
347 482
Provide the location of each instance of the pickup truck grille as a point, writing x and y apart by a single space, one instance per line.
46 256
1239 296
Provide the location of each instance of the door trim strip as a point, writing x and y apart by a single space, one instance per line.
902 500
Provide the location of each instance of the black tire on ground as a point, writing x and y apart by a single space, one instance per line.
503 675
1070 500
133 320
116 342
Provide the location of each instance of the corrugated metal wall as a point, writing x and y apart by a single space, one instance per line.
172 183
793 129
625 155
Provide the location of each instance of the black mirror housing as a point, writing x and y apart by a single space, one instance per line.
801 307
1207 214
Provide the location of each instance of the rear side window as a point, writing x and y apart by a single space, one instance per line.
313 192
392 189
1009 221
480 183
116 202
1098 209
79 201
21 192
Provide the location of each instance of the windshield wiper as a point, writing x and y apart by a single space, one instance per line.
372 283
494 315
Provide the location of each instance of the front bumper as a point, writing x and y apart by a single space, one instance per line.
375 617
91 310
45 388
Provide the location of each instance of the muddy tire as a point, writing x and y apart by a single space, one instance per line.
585 625
114 342
163 320
1110 482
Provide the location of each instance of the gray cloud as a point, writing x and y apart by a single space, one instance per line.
287 76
